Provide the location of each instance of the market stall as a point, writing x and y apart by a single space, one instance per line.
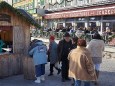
15 33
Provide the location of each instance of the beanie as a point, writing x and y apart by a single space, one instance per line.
52 37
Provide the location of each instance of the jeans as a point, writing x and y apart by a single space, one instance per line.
97 67
40 70
78 83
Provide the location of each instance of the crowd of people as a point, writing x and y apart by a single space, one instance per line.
80 62
85 32
71 29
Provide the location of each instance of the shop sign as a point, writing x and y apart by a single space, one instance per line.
83 13
23 2
5 17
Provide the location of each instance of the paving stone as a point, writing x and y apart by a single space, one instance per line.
107 77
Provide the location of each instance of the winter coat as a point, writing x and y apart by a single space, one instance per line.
96 47
39 53
81 65
53 57
1 45
61 50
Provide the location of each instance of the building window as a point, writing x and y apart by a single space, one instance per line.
23 7
26 7
14 1
62 4
41 2
31 6
80 19
68 3
55 6
80 2
108 17
86 1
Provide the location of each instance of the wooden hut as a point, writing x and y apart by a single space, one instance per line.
15 32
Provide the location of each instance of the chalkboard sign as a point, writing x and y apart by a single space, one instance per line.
5 17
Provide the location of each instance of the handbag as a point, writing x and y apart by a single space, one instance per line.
58 65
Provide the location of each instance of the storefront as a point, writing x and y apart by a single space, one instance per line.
80 22
69 22
96 16
109 21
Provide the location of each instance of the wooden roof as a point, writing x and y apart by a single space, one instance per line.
21 13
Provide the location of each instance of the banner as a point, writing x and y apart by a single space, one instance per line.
99 11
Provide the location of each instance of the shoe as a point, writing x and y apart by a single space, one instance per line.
59 71
68 79
50 74
63 80
72 84
95 82
42 78
38 80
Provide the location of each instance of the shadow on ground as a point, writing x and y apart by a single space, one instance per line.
107 78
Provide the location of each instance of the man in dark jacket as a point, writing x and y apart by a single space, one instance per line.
64 48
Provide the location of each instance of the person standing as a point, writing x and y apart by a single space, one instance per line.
1 44
74 42
74 45
53 57
40 59
96 47
64 48
80 65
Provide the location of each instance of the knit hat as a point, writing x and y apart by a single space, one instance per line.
52 37
66 35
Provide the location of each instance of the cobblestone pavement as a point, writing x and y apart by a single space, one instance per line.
107 77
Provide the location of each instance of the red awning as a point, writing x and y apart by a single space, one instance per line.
95 11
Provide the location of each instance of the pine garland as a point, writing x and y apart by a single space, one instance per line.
4 4
60 2
111 37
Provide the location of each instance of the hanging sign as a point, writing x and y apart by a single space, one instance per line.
5 17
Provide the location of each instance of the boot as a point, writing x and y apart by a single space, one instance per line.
42 77
38 80
59 71
50 74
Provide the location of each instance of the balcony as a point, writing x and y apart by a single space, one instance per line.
82 4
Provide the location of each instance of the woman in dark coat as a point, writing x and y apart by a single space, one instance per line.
52 55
